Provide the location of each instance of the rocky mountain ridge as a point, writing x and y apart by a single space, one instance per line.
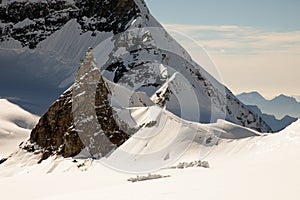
276 124
32 22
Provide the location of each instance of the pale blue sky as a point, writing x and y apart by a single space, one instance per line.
276 15
255 44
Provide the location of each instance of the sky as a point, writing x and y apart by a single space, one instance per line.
255 45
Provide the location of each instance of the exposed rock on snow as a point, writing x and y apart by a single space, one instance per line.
3 160
93 115
55 130
237 165
68 126
147 178
184 165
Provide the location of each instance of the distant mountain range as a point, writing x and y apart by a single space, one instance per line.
297 97
279 106
278 113
276 124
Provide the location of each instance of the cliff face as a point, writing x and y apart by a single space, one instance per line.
81 118
31 22
55 131
92 113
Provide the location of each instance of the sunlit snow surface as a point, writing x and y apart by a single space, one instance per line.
243 165
255 167
15 126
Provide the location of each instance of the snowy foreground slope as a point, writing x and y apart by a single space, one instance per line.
256 167
15 126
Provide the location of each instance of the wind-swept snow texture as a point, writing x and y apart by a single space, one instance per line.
15 126
268 163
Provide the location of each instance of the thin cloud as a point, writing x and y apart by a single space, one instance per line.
237 39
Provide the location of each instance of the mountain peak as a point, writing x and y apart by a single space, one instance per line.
251 98
283 97
253 95
79 118
279 106
133 51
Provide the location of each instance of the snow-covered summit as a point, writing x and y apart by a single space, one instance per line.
47 39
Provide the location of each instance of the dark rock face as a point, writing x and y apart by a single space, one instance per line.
69 125
55 131
46 17
3 160
93 116
103 15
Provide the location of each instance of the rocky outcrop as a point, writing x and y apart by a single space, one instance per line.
32 22
81 118
94 119
55 131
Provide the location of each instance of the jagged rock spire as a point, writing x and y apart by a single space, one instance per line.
93 116
81 118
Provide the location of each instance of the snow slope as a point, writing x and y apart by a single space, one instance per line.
146 58
261 167
15 126
167 138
